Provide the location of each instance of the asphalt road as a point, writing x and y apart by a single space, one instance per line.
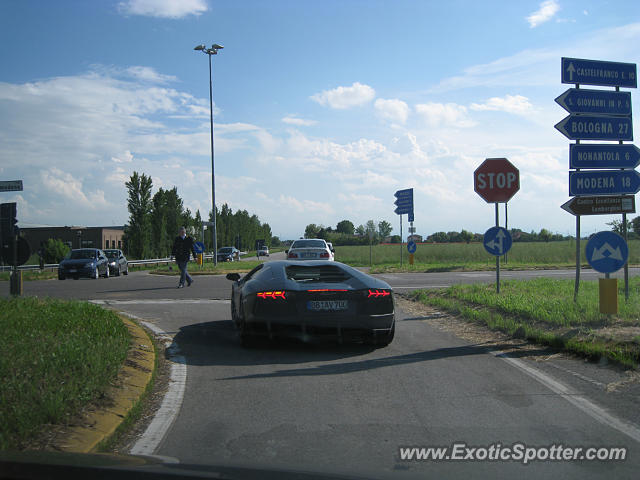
348 409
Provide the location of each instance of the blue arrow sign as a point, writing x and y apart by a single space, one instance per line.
198 247
410 217
599 102
607 252
401 202
411 246
407 192
593 127
603 155
604 182
403 210
497 241
597 72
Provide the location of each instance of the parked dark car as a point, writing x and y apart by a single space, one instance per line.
117 262
228 254
84 262
318 298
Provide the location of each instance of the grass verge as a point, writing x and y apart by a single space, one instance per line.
28 275
57 356
543 311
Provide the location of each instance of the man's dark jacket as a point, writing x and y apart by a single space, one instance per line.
182 248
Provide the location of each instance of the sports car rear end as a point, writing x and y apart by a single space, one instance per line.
322 299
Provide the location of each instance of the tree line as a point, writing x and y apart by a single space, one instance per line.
346 233
154 222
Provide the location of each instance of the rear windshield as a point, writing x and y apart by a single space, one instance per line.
78 254
112 253
316 273
309 244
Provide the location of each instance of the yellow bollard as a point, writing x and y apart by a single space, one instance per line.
200 257
411 259
608 295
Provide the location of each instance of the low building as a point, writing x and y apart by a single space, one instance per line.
75 236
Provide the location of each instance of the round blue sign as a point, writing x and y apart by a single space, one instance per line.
607 252
198 247
497 241
411 246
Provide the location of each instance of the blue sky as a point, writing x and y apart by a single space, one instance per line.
322 109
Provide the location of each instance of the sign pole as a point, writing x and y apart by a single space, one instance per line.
506 226
626 265
577 282
401 240
497 256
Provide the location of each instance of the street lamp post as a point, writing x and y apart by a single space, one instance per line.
212 51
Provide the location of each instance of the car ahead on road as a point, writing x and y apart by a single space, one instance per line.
313 299
263 251
309 249
117 262
228 254
84 262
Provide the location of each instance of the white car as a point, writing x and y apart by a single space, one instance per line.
309 249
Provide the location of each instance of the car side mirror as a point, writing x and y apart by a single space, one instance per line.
333 250
286 251
234 277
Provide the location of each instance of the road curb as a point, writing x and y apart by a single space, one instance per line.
133 378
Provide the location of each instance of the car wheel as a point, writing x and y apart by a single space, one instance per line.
126 272
118 272
61 277
96 274
106 272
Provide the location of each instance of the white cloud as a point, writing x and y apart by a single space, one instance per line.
126 157
516 104
294 120
393 110
545 13
345 97
163 8
149 74
444 114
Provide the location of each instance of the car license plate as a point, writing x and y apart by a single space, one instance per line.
308 255
72 270
327 305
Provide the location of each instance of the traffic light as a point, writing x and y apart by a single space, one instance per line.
8 221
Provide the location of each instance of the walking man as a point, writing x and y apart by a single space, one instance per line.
182 248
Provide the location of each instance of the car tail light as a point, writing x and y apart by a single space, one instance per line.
378 293
292 255
279 294
324 255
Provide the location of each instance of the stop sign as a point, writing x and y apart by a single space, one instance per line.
496 180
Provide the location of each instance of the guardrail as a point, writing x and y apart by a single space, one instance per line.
53 266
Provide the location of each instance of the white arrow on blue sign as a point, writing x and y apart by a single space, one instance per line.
598 102
594 127
607 252
497 241
604 182
411 246
603 155
198 247
598 72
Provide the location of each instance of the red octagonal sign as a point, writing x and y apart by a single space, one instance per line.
496 180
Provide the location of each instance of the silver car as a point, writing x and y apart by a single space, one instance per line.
309 249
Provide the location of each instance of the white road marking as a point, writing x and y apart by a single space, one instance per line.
158 301
594 411
150 440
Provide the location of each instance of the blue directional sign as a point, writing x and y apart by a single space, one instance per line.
599 102
603 155
497 241
198 247
404 202
604 182
411 246
607 252
594 127
597 72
